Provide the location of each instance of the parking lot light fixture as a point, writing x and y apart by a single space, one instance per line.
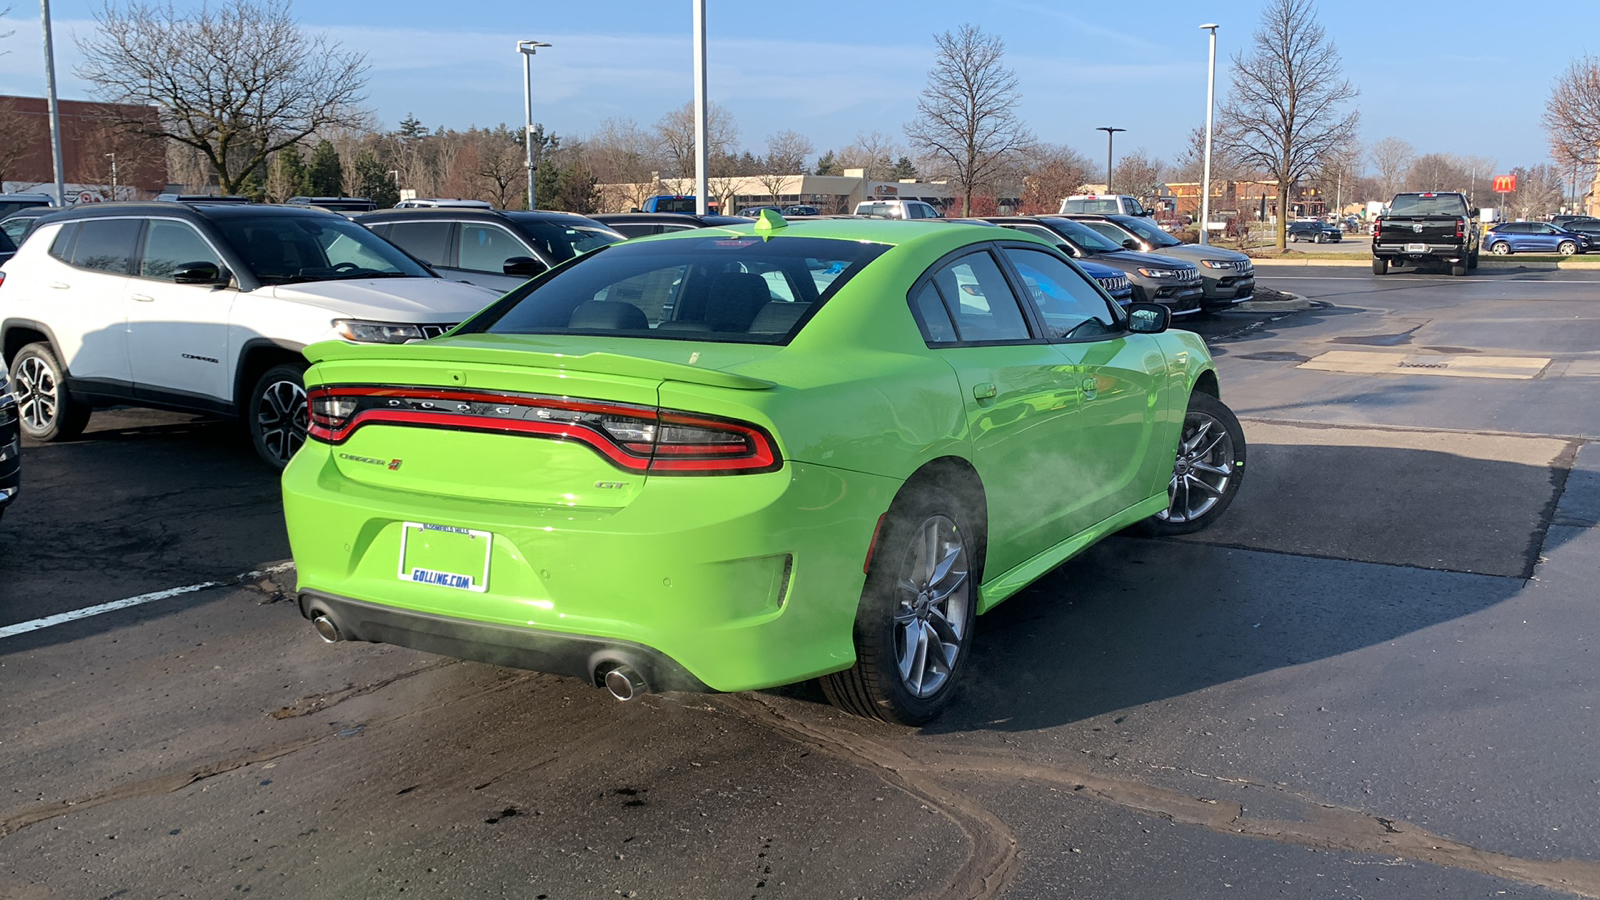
1111 134
528 49
1211 103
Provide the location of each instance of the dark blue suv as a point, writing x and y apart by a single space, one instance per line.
1535 237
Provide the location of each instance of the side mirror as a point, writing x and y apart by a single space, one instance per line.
199 273
525 266
1130 244
1148 318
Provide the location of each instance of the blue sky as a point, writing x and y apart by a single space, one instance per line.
832 69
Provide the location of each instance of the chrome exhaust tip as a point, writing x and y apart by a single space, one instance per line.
625 684
326 628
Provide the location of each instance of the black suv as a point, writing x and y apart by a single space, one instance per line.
495 248
1317 232
640 224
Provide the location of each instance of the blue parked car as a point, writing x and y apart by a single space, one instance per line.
1113 280
1535 237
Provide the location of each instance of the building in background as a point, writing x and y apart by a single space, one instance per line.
101 159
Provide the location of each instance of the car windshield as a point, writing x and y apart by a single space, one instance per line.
1428 205
1083 235
287 249
563 241
739 289
1148 230
1096 206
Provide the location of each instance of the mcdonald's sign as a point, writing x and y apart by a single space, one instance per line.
1505 184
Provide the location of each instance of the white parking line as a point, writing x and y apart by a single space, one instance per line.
86 612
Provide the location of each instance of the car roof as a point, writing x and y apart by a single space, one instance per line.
685 218
196 209
894 232
469 212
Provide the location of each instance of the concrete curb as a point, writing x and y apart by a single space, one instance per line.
1295 303
1483 262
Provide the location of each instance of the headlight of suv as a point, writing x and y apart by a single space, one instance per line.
1161 273
377 332
1219 263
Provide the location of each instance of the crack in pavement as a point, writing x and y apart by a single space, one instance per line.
992 862
315 703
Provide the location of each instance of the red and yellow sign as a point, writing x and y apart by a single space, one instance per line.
1505 184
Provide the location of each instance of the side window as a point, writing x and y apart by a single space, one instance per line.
169 245
932 316
485 247
980 300
61 247
426 241
1069 305
106 244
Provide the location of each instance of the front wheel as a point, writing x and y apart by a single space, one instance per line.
1380 267
1319 239
277 415
47 411
1206 471
1500 248
1567 248
914 626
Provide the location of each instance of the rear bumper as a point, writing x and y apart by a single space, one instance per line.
741 582
1450 252
579 656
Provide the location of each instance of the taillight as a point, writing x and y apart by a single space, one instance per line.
634 438
1377 228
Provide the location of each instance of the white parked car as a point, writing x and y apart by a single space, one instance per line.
203 307
897 209
1103 205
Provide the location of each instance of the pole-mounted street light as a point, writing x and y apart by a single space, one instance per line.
1111 134
528 49
1211 102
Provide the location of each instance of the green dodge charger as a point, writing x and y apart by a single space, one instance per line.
734 458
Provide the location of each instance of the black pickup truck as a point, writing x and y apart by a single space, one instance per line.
1427 227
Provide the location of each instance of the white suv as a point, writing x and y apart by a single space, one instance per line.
1103 205
203 308
897 209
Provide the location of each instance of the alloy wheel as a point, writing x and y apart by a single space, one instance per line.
37 393
282 420
1500 249
931 613
1203 469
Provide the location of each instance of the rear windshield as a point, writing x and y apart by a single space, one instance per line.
7 207
739 289
1425 205
674 204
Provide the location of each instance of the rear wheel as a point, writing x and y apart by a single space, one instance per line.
1472 261
277 416
1206 471
46 409
914 626
1458 269
1500 248
1380 267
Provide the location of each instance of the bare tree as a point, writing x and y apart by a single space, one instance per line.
1190 164
502 173
873 152
967 117
1285 111
624 160
237 82
1140 175
19 132
1572 114
675 132
1049 173
1391 158
786 157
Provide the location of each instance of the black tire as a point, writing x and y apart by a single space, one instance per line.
277 415
1472 261
1319 239
1207 469
1567 248
1459 269
47 411
1294 238
891 680
1380 267
1500 248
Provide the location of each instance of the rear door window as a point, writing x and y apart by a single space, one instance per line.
171 245
106 244
427 241
980 301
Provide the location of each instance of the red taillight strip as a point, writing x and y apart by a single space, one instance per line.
757 452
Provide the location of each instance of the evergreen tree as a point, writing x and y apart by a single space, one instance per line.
373 181
828 165
411 129
903 169
292 178
325 175
547 185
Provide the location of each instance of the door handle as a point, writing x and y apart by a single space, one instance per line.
144 298
60 285
983 391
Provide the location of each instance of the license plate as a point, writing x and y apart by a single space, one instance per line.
445 556
1416 248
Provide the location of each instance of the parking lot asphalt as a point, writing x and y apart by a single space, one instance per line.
1374 679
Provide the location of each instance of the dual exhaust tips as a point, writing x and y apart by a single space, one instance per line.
621 680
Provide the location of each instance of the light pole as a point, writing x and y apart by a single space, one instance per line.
1211 102
1111 134
528 49
702 151
55 111
113 158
